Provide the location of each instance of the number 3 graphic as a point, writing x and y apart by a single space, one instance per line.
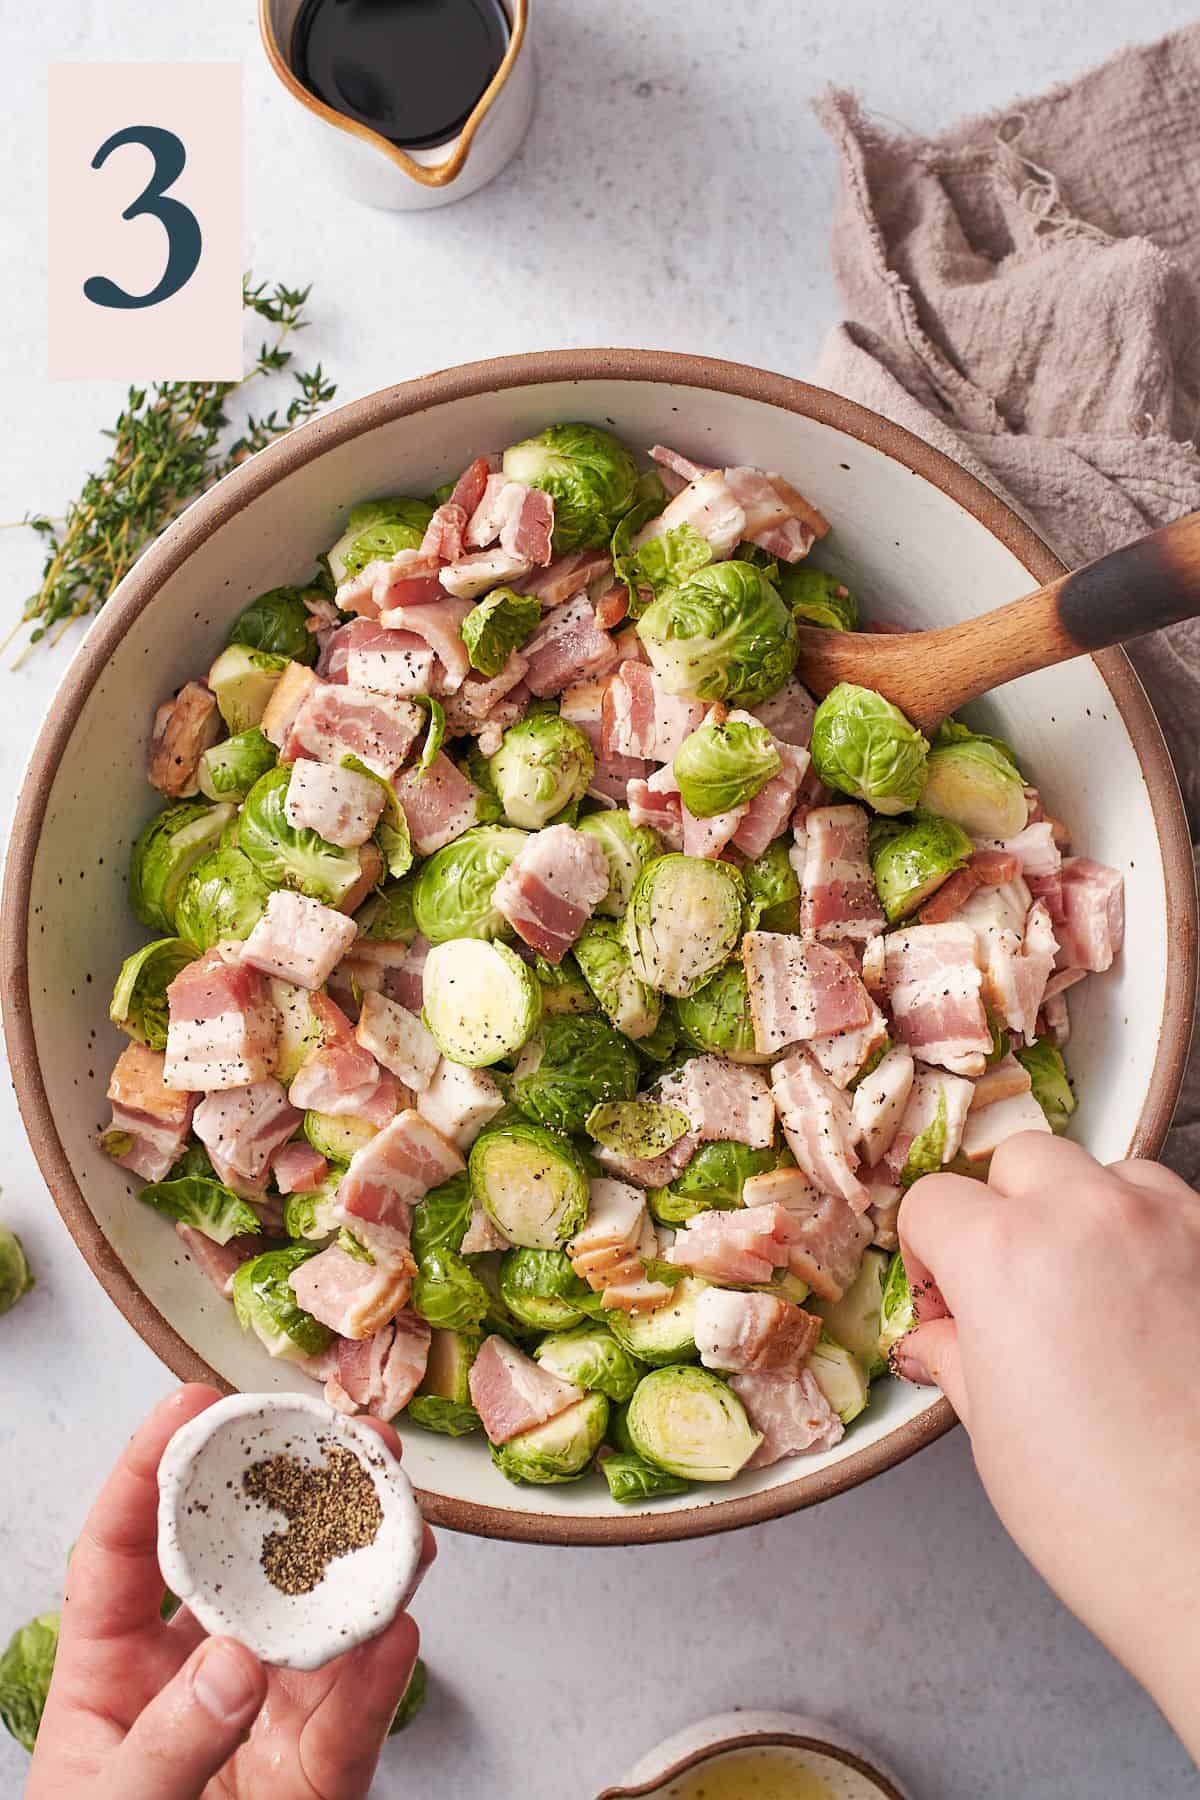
178 221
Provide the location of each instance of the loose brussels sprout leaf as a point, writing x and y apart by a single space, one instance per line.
532 1183
690 1423
953 731
912 864
857 1318
588 473
265 1304
392 833
452 897
840 1377
684 921
312 1216
452 1418
721 766
227 771
865 747
925 1153
285 856
569 1068
542 1290
717 1017
723 635
499 625
25 1671
412 1699
543 766
637 1127
223 897
630 1480
591 1357
627 848
481 1001
666 1335
203 1203
278 623
711 1182
376 530
242 681
139 1000
387 917
169 846
1051 1087
872 1063
772 890
603 961
353 1246
560 1450
436 734
817 598
447 1293
15 1275
336 1136
978 786
563 988
659 1045
896 1313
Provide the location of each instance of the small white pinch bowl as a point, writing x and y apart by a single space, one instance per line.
211 1533
848 1770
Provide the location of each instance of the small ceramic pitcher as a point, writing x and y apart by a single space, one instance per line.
380 173
848 1771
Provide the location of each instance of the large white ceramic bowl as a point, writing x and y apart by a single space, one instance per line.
919 540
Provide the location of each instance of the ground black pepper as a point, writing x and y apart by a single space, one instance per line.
330 1512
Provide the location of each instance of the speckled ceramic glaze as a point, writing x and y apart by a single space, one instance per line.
922 544
211 1533
849 1770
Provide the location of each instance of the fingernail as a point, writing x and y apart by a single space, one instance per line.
225 1681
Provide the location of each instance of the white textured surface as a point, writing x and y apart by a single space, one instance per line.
674 191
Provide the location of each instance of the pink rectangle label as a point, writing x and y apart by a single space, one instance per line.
145 225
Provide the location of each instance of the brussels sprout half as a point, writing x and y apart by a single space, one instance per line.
690 1423
591 1357
897 1315
817 598
666 1335
912 863
711 1182
588 473
637 1127
684 921
224 896
16 1277
278 623
337 1136
242 681
169 846
627 848
287 856
313 1215
481 1001
542 768
560 1450
977 785
227 771
542 1290
717 1017
634 1008
25 1670
452 896
723 635
840 1377
1051 1085
265 1304
857 1318
139 999
722 766
376 530
570 1067
532 1183
865 747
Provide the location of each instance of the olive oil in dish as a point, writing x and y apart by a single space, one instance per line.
412 70
761 1774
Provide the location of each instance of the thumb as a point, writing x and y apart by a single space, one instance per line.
930 1354
191 1728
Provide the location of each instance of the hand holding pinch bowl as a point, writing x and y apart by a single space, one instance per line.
287 1526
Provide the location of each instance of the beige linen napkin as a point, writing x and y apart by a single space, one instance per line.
1024 293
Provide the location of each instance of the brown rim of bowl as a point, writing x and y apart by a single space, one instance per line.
756 1740
432 175
406 400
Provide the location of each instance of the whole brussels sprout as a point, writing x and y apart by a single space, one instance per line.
560 1450
723 635
1051 1085
691 1423
591 1358
412 1699
588 473
543 766
817 598
532 1183
169 846
452 896
227 771
499 625
223 897
865 747
139 1000
684 921
265 1304
25 1671
569 1067
634 1008
772 890
278 623
717 1016
912 864
377 530
289 856
711 1182
721 766
974 781
628 848
542 1290
15 1276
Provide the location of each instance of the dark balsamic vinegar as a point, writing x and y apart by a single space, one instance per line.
412 70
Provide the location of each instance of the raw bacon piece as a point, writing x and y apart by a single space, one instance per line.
551 888
384 1101
680 465
482 1235
639 718
383 660
479 696
723 1100
567 576
512 1393
1007 1078
152 1115
767 815
788 715
439 803
483 526
383 1372
397 1167
287 697
884 1211
752 1332
404 579
986 1128
707 838
468 489
930 1087
299 940
243 1128
1017 978
350 1296
709 506
396 1038
220 1262
340 805
222 1026
298 1168
791 1412
933 980
338 1076
742 1247
439 622
184 728
844 1054
837 891
1093 923
567 646
1035 849
473 574
879 1102
662 812
334 722
612 607
606 1248
994 868
949 899
817 1124
394 969
830 1238
799 989
445 532
528 525
335 651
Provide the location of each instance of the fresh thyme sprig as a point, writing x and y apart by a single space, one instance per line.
169 444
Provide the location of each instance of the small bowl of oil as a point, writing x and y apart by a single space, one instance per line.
759 1756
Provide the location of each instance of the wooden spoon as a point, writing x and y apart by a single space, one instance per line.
1154 581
